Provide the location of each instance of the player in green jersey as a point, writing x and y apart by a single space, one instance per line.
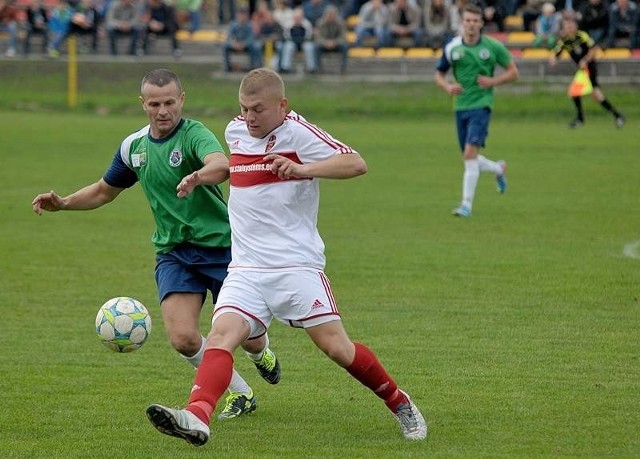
474 58
179 164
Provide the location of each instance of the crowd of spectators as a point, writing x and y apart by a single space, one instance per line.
53 22
282 29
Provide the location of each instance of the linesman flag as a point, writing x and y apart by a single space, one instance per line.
581 84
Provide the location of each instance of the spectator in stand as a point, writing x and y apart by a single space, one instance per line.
373 21
37 23
9 18
594 19
404 23
331 37
84 22
59 23
313 10
160 20
547 27
283 14
241 39
530 13
494 12
270 36
437 23
259 15
623 23
189 12
226 11
513 6
299 38
352 7
124 18
455 12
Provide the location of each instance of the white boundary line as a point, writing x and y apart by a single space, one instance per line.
632 250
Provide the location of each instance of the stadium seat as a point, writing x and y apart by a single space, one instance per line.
362 52
201 36
419 53
352 21
513 22
536 53
390 53
616 53
520 38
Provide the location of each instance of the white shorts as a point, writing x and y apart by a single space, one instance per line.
299 298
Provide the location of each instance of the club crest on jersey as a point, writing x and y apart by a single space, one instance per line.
235 144
175 158
270 143
456 55
484 54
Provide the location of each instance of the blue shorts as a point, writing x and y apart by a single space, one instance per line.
192 269
473 126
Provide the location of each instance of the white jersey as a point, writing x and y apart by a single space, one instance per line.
274 221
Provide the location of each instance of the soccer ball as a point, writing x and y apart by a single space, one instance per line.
123 324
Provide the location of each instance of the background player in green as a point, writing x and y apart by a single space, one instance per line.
473 58
582 50
169 157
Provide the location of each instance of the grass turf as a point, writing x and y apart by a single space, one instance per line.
515 331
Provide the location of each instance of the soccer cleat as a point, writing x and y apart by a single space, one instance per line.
411 421
179 423
576 123
269 367
620 120
462 211
237 404
501 179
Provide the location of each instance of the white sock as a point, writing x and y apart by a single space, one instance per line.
486 165
470 181
238 384
196 359
258 356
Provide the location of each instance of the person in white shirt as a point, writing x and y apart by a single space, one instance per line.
277 269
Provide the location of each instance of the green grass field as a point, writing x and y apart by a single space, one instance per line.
515 331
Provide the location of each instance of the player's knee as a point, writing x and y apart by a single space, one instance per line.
186 343
341 353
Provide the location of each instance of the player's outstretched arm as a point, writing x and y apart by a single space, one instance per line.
214 171
342 166
90 197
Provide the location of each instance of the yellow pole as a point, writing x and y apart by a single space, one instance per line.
72 72
268 52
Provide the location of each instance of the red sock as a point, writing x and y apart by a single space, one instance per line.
212 379
369 371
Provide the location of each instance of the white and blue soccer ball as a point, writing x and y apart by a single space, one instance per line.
123 324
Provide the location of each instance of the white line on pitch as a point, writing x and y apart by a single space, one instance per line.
632 250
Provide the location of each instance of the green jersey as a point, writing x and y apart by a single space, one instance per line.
470 61
159 165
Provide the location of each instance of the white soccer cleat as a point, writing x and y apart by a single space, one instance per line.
179 423
411 421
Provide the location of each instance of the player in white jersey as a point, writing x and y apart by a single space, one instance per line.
276 159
